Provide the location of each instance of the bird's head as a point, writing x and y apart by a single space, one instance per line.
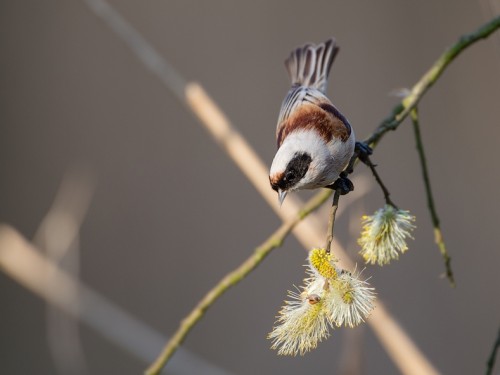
288 171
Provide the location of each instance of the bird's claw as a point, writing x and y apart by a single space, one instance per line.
343 185
363 151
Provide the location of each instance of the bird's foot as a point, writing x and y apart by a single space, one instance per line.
363 151
343 185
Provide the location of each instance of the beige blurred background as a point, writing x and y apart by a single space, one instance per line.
171 214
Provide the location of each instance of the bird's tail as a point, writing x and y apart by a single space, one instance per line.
310 65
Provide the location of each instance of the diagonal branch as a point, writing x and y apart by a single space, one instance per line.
232 278
402 110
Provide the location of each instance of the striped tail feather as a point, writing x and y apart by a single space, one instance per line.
310 65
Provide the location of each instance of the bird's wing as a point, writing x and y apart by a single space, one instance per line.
296 96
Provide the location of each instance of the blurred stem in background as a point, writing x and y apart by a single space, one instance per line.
58 236
25 264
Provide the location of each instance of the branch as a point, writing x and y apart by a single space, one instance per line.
331 221
401 111
384 189
438 235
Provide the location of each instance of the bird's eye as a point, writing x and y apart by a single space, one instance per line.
290 175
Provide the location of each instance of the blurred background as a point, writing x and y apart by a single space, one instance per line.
170 214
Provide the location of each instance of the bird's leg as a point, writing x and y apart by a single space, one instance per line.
343 185
363 151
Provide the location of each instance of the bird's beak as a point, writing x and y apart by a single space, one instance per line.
281 196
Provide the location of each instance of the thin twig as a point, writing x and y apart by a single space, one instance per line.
438 235
331 221
491 360
372 166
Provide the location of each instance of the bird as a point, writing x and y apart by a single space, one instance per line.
315 141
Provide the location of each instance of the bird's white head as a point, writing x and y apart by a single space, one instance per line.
299 163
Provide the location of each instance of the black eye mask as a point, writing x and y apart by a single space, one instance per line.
295 170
